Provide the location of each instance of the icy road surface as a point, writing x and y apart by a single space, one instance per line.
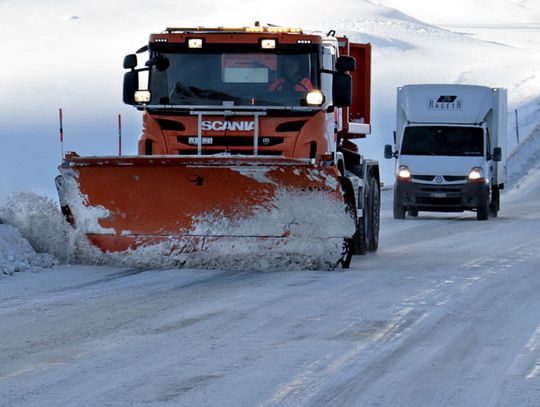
447 313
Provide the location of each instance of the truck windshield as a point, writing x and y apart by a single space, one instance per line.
443 140
241 79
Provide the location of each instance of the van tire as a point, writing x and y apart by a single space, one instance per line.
399 212
482 213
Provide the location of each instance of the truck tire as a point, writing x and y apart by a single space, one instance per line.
346 254
374 222
360 245
399 211
357 244
413 212
482 212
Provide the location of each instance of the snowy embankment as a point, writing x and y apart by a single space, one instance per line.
17 254
412 43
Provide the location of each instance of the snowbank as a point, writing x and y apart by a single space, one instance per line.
16 254
493 43
33 224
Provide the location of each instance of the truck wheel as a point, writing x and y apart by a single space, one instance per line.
413 212
482 213
357 243
346 254
360 238
373 215
399 212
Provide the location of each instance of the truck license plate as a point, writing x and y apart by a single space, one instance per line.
438 194
205 140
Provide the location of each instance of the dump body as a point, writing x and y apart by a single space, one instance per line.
231 151
450 148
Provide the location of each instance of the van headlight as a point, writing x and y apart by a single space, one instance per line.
476 176
403 174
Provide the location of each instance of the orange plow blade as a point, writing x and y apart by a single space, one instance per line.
203 203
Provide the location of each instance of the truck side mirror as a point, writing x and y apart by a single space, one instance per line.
345 63
131 85
130 61
388 153
342 89
497 154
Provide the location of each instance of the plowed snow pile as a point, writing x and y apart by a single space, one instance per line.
16 254
32 223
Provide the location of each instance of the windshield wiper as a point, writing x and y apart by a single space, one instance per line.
192 92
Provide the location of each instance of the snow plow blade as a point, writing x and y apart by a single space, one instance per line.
203 203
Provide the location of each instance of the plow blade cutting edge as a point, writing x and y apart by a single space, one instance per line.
204 204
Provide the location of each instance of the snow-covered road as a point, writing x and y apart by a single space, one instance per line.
445 314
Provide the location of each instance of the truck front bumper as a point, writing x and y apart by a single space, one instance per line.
440 198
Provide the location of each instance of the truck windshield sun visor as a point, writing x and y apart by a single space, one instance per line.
443 141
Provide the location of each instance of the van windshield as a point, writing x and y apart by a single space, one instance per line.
443 140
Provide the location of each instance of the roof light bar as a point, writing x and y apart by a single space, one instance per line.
255 29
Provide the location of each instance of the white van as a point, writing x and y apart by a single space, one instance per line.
450 146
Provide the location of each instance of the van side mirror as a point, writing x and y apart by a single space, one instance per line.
497 154
131 85
388 153
130 61
342 89
345 63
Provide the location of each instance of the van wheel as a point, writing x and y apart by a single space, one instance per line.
495 202
482 213
399 212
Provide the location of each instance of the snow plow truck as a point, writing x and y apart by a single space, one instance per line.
246 145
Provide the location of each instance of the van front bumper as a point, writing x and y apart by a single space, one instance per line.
440 198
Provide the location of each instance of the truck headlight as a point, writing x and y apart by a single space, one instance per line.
476 176
268 44
403 174
142 96
195 43
315 97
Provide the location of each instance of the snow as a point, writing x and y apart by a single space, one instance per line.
407 42
411 45
445 313
17 254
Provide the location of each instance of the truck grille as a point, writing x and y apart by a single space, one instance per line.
230 151
234 141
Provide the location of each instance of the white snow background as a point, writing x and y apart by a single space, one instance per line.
69 54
